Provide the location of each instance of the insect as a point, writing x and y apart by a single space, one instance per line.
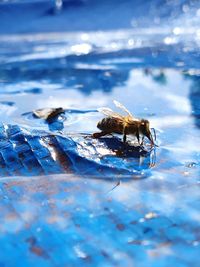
126 125
48 113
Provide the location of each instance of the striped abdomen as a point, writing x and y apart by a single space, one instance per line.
111 125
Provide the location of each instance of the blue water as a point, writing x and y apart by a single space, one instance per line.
82 57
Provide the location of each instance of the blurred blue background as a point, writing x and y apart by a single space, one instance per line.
88 15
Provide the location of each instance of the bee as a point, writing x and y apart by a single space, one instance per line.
126 125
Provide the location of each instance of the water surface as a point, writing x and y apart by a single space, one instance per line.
152 217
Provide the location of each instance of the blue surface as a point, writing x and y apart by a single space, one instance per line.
58 206
34 153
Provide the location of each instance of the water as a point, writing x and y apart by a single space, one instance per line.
75 218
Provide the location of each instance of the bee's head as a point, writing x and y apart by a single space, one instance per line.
144 126
145 130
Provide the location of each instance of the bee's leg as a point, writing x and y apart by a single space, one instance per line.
138 137
124 138
124 134
142 141
100 134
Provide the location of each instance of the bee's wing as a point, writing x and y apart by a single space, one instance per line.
110 113
119 105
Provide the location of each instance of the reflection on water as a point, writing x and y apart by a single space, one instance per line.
86 82
144 54
157 217
158 76
160 95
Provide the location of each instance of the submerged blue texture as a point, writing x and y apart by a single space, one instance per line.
60 203
34 153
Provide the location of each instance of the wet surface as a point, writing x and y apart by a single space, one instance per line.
152 220
153 213
60 205
37 152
